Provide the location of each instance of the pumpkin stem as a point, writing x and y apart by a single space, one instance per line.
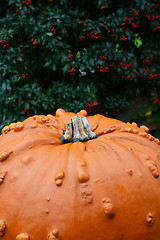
67 137
78 131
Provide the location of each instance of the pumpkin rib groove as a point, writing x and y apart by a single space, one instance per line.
134 138
145 148
6 147
131 151
109 147
120 150
93 162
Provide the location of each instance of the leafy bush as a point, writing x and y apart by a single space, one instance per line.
98 55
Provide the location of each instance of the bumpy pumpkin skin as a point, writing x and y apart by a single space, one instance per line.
107 188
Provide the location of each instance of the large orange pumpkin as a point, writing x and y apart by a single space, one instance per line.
72 182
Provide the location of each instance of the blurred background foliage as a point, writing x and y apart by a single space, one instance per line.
102 56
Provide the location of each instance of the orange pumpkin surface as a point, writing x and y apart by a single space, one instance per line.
107 188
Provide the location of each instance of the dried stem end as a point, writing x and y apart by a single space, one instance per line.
78 131
68 134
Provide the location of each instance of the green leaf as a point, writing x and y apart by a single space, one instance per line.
47 64
78 55
54 67
27 105
50 34
120 11
4 86
138 42
19 59
66 68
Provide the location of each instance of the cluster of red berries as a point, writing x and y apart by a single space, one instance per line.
108 30
152 19
128 77
152 76
71 72
26 2
102 58
27 112
123 38
154 99
123 65
3 43
125 20
146 70
70 56
103 7
82 38
92 35
20 11
146 61
154 7
135 13
156 28
53 29
34 42
91 105
130 21
22 56
24 75
111 65
133 25
103 69
105 25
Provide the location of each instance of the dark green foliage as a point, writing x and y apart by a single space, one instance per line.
77 54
